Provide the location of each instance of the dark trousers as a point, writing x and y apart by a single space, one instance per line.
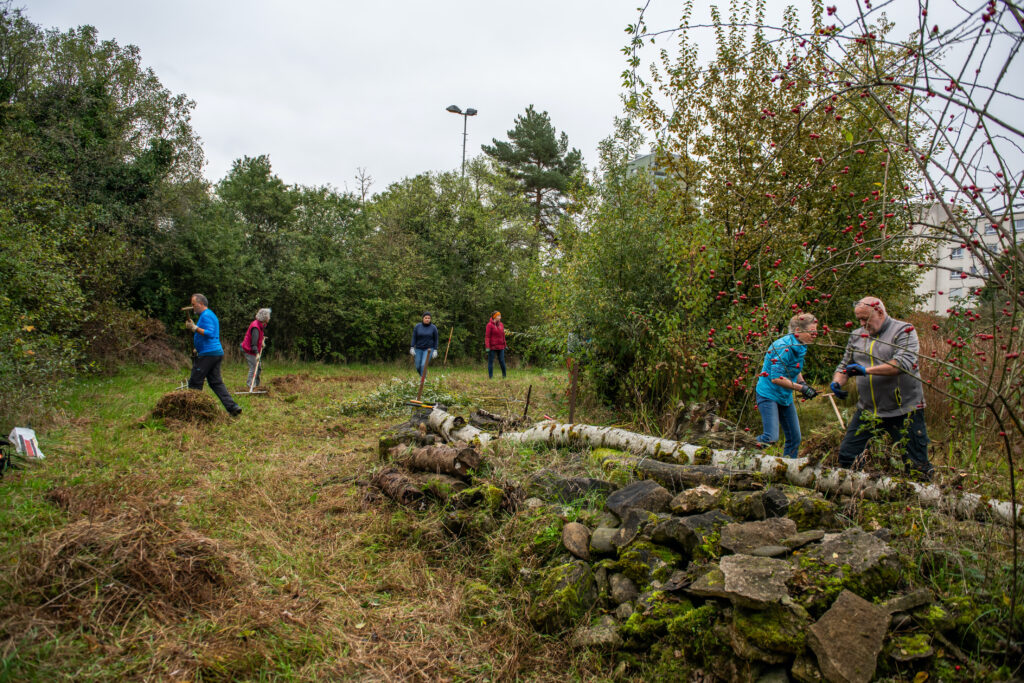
908 432
500 353
208 368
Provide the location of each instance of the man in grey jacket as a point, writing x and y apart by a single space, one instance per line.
882 355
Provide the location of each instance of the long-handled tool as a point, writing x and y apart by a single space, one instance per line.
832 400
448 346
255 374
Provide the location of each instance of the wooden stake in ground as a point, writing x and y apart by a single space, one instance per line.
448 346
529 390
574 375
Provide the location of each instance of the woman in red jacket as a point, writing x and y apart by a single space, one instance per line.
494 343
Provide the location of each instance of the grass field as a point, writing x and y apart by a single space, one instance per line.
307 579
253 549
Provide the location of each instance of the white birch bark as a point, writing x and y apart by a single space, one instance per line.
798 471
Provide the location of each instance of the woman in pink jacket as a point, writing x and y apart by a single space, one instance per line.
494 343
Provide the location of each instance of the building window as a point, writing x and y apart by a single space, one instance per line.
990 229
1018 225
956 253
956 293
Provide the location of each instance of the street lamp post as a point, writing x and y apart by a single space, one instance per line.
465 118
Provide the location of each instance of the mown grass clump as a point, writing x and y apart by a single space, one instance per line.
187 405
392 397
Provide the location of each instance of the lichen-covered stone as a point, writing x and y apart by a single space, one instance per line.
910 647
744 537
601 541
779 628
622 589
696 500
867 566
643 561
746 581
633 523
652 618
812 512
602 634
561 596
934 617
746 505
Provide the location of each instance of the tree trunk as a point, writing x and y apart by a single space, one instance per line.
680 477
798 471
455 460
398 486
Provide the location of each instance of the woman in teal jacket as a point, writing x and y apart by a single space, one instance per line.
781 375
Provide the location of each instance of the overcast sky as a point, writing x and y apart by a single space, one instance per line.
325 87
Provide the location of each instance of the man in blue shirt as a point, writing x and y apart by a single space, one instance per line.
209 354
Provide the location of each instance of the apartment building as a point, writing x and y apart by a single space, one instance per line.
958 272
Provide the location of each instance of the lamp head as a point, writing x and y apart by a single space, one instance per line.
471 112
453 109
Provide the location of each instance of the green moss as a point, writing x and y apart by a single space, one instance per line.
561 596
643 561
478 599
703 456
936 617
709 548
777 629
912 644
812 512
646 625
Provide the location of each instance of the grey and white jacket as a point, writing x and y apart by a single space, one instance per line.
896 343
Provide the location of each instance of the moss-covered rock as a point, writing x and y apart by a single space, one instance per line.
652 617
485 495
643 561
935 617
812 511
780 628
561 596
910 647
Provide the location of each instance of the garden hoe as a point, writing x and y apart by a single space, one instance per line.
255 374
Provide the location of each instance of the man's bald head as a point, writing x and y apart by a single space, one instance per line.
870 313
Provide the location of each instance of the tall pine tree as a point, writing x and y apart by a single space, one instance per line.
541 163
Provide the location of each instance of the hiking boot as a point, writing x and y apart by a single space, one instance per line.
236 412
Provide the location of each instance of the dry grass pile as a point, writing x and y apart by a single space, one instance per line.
106 570
187 405
290 384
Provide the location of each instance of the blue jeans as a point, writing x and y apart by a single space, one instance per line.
500 353
421 359
772 416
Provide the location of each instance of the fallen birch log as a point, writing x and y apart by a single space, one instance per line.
440 486
456 460
798 471
679 477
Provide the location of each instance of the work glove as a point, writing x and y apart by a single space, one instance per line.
433 354
855 370
838 390
190 326
807 391
412 350
486 350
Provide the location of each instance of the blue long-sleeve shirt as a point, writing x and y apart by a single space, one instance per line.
785 358
208 344
424 336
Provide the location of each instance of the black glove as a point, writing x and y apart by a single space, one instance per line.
838 390
807 391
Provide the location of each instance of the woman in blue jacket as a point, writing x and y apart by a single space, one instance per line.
424 341
781 375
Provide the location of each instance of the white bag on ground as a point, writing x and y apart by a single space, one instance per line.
24 440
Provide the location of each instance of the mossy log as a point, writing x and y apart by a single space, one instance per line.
398 486
680 477
798 471
440 486
456 460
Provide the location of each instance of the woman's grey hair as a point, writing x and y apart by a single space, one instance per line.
263 315
802 322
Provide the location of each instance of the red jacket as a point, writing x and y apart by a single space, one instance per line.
495 336
247 341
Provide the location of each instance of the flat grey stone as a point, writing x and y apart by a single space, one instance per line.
640 495
633 523
744 537
848 638
601 541
746 581
770 551
803 538
696 500
553 487
602 635
867 564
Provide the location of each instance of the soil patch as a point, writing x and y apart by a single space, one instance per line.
290 384
187 405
